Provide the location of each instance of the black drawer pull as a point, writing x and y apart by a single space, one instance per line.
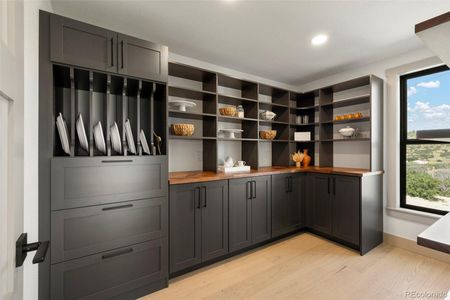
117 207
120 252
117 161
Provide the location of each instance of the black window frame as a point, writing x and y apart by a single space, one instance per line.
404 136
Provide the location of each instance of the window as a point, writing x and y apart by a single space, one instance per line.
425 164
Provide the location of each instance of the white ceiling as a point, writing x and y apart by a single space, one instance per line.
270 39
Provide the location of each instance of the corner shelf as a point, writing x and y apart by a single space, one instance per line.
214 90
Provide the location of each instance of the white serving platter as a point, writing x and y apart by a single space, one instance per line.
63 133
82 138
129 135
99 137
144 143
181 105
231 133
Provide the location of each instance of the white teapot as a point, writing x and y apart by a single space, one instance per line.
228 162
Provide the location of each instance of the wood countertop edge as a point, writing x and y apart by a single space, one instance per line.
206 176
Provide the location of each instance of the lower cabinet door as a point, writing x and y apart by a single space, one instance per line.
214 196
84 231
110 273
261 209
280 203
322 204
240 234
185 226
346 207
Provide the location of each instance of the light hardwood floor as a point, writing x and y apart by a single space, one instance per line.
309 267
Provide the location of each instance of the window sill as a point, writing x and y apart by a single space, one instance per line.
413 212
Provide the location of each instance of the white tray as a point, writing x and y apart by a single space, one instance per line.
234 169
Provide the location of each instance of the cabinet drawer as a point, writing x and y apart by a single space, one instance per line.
78 182
83 231
110 273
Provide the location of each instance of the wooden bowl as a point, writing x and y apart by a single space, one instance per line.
228 111
267 134
183 129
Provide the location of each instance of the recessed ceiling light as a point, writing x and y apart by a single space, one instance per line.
319 39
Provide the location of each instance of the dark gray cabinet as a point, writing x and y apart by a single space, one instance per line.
250 211
113 273
81 44
142 59
333 206
198 223
81 181
286 200
322 203
89 46
345 208
88 230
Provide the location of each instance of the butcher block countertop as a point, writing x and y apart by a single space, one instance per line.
203 176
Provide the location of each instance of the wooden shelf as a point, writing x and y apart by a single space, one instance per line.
234 99
271 104
232 119
363 119
190 115
273 122
237 139
178 137
274 141
346 140
311 141
304 125
348 102
183 92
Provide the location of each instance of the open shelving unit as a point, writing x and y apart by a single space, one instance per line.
211 91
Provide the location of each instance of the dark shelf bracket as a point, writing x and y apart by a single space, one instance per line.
22 249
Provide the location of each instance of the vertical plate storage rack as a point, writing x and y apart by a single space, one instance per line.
211 90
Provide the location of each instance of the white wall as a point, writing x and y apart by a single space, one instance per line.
31 108
400 222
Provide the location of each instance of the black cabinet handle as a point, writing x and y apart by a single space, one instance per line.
290 184
248 189
121 52
286 185
117 161
254 189
117 207
328 185
204 196
334 186
198 189
117 253
112 52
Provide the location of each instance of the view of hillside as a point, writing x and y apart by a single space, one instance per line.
428 175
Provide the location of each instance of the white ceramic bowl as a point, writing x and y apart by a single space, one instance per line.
347 131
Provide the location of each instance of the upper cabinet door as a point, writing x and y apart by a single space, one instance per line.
81 44
142 59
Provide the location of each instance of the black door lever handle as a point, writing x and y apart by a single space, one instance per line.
22 248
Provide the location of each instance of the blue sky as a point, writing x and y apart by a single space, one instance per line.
429 102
